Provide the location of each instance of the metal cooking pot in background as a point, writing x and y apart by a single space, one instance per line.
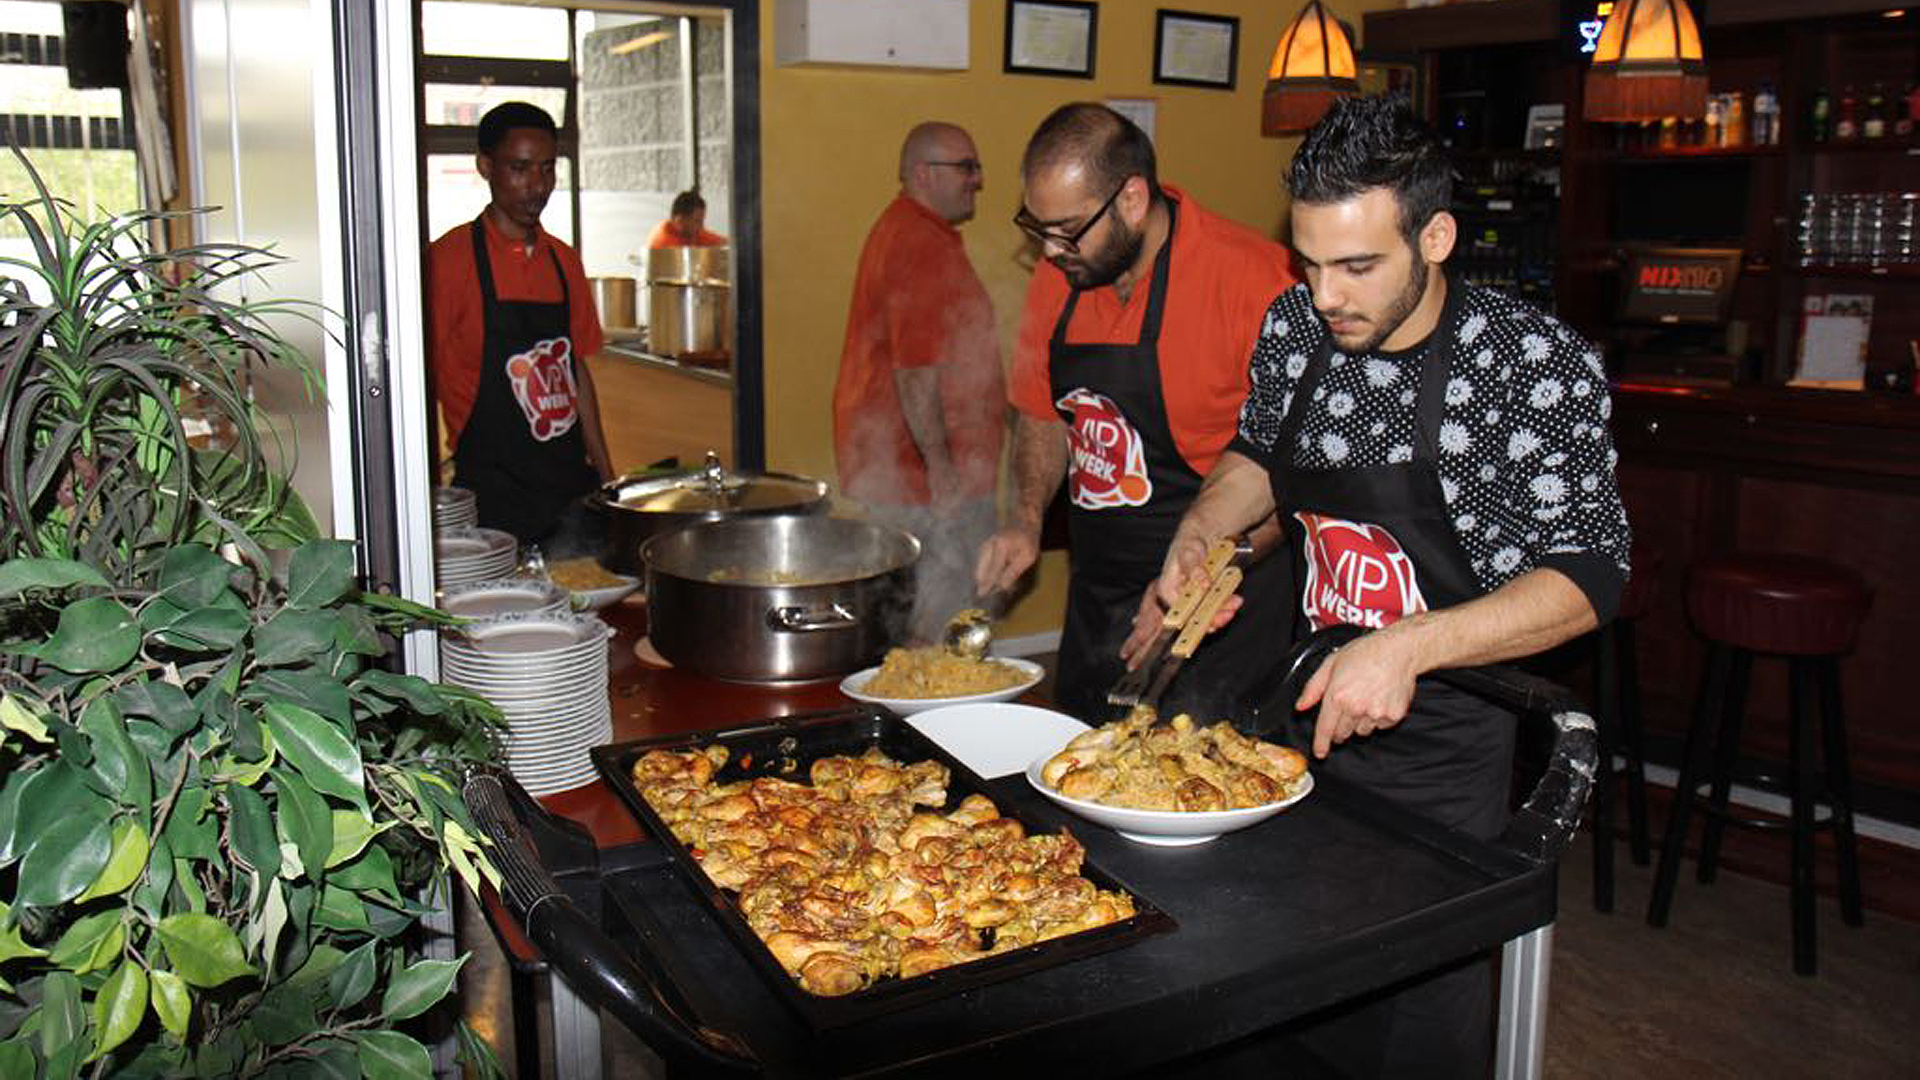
689 320
778 599
638 508
616 297
688 265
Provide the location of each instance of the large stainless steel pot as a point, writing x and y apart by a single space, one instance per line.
689 320
640 508
688 265
777 599
614 297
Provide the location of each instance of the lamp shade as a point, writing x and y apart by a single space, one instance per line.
1648 64
1312 66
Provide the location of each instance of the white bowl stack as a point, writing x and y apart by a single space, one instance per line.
454 508
504 596
548 674
462 555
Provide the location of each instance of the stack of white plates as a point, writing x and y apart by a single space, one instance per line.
454 508
504 596
461 555
548 674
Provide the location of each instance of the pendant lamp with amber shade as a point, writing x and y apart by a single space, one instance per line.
1313 66
1648 64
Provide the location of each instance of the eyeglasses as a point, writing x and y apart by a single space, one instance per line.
1070 241
970 166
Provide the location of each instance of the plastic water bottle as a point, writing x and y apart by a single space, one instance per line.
1766 116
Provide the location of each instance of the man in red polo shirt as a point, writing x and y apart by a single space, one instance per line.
1128 376
919 409
686 225
510 321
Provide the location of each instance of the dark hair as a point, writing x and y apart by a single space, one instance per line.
508 115
686 203
1372 142
1109 146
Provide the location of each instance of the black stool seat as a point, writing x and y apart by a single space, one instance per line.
1808 612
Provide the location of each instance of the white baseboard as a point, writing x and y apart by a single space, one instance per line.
1893 833
1027 644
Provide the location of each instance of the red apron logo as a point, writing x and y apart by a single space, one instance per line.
1357 575
543 385
1109 463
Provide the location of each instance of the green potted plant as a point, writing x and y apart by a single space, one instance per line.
217 813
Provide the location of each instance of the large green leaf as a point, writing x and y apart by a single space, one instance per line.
83 947
11 787
46 795
190 831
63 1019
94 635
117 763
305 821
351 981
308 689
325 756
204 630
192 575
66 858
418 988
250 828
356 632
19 575
415 692
15 715
203 950
172 1002
340 910
372 872
150 894
118 1006
127 859
352 829
16 1060
293 636
165 703
12 945
319 573
389 1055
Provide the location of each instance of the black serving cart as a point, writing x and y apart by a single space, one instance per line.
1342 894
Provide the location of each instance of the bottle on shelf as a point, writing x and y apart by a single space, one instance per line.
1716 120
1874 124
1846 126
1820 117
1766 116
1733 125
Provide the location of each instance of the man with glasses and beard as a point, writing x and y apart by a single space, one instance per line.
919 413
1439 455
1128 375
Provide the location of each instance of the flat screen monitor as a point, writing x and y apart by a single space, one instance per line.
1670 286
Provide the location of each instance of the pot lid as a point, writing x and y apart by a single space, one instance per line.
714 488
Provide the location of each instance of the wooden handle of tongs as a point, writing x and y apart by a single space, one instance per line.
1200 620
1219 556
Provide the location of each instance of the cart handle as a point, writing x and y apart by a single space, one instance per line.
1544 825
577 948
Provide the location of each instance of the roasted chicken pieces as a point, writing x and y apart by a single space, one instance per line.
857 876
1173 766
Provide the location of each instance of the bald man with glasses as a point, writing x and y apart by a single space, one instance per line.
919 407
1128 375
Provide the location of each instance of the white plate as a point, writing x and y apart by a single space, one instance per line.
854 687
502 596
531 636
1165 828
606 596
998 738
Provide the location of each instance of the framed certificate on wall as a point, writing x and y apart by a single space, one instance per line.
1052 38
1195 50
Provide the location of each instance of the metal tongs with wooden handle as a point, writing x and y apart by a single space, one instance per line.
1187 620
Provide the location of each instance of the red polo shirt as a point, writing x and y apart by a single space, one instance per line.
1223 277
917 303
456 330
665 237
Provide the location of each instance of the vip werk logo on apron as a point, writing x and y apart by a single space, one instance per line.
1109 458
1357 574
542 379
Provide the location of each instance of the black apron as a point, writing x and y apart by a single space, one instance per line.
522 453
1378 543
1127 488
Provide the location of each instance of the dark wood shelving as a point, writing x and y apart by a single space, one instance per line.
1902 272
1856 146
1682 153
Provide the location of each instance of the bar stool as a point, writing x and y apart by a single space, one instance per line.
1616 676
1807 612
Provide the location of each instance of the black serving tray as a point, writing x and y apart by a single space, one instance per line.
786 748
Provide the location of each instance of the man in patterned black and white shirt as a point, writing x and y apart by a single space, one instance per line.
1440 455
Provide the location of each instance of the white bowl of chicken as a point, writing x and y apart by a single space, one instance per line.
1171 784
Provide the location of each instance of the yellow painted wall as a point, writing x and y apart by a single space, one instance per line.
830 140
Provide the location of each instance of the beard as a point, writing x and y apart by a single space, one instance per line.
1091 270
1396 313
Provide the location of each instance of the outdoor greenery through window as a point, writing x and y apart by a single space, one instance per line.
61 129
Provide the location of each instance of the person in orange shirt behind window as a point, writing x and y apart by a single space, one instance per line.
686 225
